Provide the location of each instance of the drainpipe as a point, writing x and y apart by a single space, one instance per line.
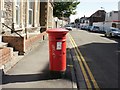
1 18
13 20
26 18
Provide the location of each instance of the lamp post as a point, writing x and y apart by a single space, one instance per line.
63 12
102 8
104 17
56 19
103 25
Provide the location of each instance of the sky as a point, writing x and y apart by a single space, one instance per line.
88 7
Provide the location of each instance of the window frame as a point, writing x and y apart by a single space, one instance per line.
30 23
17 11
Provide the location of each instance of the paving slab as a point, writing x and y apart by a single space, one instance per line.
32 71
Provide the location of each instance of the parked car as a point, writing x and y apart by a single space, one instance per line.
68 27
88 28
95 29
112 32
83 27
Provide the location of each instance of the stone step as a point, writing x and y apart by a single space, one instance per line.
14 59
15 53
2 44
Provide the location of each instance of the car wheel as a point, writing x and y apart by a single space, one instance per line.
105 35
110 35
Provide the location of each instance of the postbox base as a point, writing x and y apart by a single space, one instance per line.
57 74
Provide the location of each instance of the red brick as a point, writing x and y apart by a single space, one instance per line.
5 55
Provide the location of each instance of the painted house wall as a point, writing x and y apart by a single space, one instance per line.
111 16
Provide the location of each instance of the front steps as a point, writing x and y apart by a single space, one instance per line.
8 57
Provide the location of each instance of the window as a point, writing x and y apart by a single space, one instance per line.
18 12
30 17
30 12
115 11
114 25
114 30
110 14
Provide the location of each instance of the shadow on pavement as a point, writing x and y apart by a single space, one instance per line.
45 75
117 39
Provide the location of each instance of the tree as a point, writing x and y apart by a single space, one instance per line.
77 20
65 8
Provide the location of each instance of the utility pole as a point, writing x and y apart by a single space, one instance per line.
104 18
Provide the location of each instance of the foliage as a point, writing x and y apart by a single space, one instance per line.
65 8
77 20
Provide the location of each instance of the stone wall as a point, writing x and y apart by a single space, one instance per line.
24 13
8 13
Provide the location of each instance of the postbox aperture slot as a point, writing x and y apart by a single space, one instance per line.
58 38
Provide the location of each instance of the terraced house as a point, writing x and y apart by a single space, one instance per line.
119 13
22 24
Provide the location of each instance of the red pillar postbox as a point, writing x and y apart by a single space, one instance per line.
57 49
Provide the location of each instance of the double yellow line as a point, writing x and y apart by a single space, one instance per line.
84 67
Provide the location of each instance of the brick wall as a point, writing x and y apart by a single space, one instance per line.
21 44
14 41
32 29
5 55
32 40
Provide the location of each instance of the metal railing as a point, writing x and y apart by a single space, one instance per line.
12 29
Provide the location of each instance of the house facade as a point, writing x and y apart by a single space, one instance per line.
22 23
26 15
112 19
98 16
84 21
46 15
109 19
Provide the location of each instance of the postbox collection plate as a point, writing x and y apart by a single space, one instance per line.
59 46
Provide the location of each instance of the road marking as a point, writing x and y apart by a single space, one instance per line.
82 67
81 62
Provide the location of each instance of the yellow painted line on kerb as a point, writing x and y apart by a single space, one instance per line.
81 59
82 67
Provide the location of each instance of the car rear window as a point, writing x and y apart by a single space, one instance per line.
96 27
114 30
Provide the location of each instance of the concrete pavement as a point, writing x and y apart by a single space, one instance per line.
32 71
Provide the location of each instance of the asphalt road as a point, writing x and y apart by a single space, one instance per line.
101 55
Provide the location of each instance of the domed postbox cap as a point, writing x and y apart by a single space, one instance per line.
57 30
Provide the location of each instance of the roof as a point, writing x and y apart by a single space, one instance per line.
98 13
